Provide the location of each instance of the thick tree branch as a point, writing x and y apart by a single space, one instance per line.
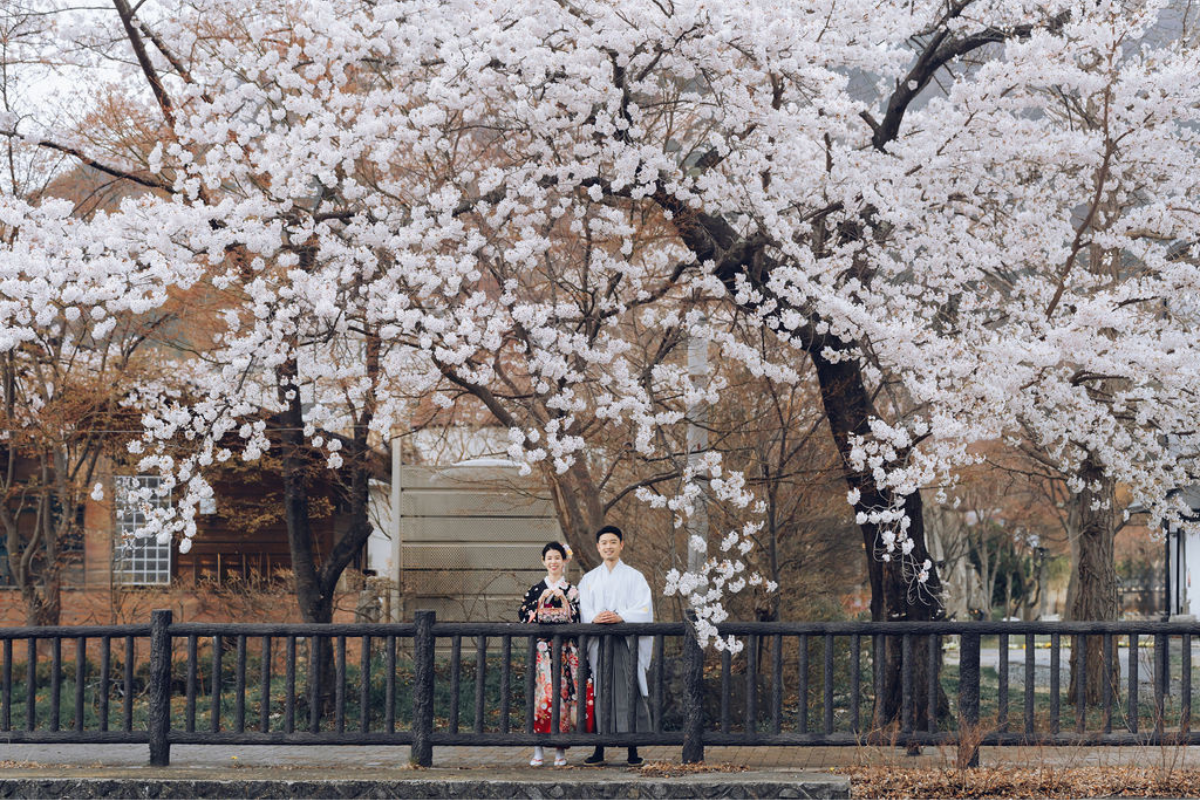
938 52
150 183
143 58
633 487
180 69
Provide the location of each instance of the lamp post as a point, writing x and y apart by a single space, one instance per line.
1166 570
397 530
697 445
1039 565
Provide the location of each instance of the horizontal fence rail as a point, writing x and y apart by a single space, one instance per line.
97 672
429 684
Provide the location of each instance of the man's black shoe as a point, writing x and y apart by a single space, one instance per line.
596 758
636 761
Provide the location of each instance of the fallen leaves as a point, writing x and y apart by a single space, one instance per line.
665 769
1013 782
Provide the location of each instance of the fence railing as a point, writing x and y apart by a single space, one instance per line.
427 684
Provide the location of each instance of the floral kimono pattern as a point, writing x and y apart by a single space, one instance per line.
561 607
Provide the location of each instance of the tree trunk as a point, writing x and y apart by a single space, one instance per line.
1041 581
44 606
315 605
37 575
773 540
317 575
40 593
1073 525
1008 595
1095 576
895 593
359 464
314 602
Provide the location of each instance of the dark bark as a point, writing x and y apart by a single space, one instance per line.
773 536
1095 576
33 557
895 593
357 471
737 258
43 600
315 605
312 597
316 575
693 681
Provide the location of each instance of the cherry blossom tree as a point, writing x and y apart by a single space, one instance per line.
74 348
77 319
966 216
1083 341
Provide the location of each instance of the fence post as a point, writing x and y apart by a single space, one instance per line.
421 752
968 701
160 688
693 688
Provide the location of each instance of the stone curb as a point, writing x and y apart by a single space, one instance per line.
704 785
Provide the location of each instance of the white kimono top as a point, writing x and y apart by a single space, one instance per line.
625 591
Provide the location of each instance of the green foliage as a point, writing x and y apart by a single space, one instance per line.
14 705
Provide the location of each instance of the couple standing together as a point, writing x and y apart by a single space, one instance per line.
611 593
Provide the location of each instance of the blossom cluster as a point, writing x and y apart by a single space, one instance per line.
503 199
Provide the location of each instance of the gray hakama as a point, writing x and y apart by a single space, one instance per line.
618 679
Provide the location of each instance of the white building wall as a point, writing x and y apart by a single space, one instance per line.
471 539
1191 573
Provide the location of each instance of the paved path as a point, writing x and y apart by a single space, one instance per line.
343 772
337 761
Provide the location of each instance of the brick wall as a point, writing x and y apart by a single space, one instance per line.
100 606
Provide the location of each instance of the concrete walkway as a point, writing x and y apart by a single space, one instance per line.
343 772
381 758
85 771
213 759
990 657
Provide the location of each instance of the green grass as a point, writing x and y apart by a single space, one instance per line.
17 707
14 705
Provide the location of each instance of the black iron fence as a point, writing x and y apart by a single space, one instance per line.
419 684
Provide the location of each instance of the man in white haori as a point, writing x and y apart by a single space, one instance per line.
616 592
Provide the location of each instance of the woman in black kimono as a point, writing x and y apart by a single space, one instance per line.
553 600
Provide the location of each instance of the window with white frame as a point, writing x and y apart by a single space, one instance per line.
139 561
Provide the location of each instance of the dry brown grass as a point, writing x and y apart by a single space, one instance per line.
666 769
1016 782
